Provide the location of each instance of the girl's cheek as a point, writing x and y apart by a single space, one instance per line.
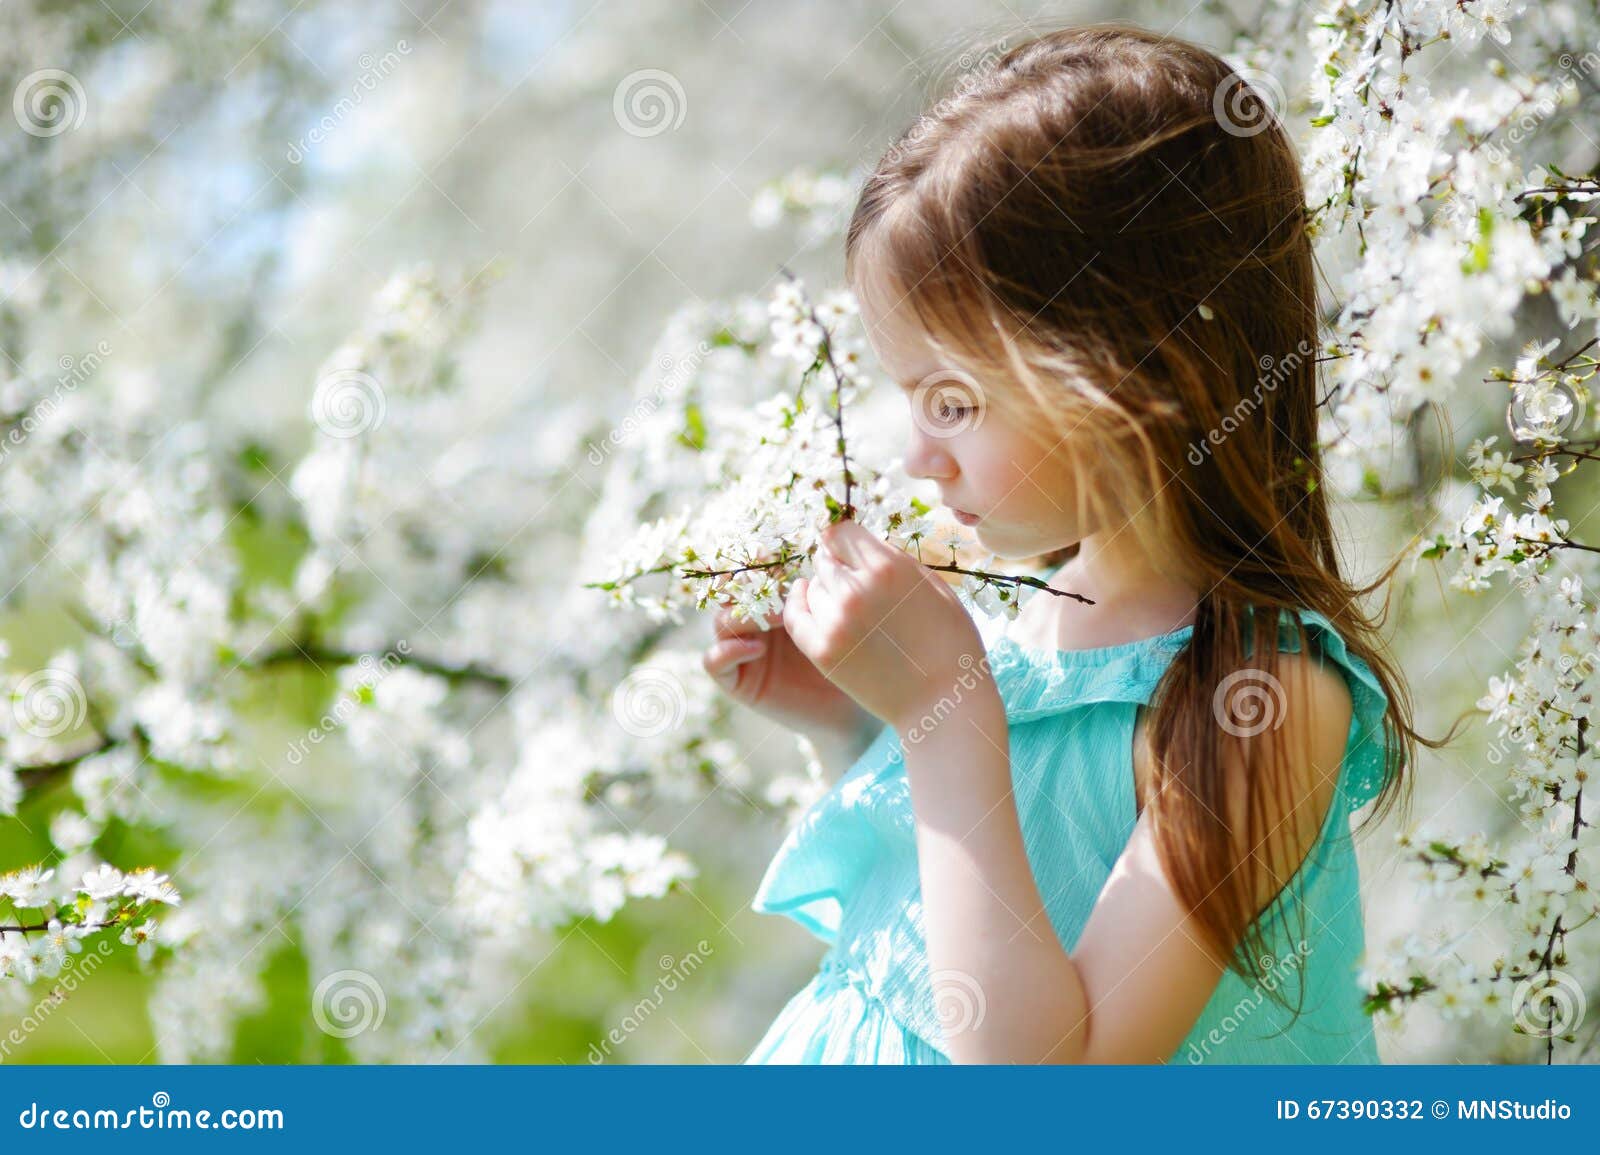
1041 494
1014 471
987 475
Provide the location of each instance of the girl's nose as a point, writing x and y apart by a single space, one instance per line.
928 458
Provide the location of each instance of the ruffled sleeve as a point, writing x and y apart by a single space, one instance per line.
1041 684
829 855
1365 767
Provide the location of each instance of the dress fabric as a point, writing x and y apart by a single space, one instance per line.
847 871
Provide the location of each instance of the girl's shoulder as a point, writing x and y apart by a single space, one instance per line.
1367 760
1038 684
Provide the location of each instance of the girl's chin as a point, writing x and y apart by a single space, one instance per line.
1013 547
1005 546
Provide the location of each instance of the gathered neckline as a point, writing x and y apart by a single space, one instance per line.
1097 655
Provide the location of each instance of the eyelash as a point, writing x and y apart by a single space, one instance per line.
946 410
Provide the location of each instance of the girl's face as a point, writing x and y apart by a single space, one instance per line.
1019 496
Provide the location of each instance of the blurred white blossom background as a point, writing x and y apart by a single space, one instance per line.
345 342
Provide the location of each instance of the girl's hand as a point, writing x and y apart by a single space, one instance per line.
765 670
886 631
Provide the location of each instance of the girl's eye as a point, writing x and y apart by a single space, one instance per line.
944 405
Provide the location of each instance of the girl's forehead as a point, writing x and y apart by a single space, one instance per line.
903 345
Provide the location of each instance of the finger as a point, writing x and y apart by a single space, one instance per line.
831 574
858 549
722 660
823 592
840 541
731 652
797 617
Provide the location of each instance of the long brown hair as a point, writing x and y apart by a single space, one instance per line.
1114 222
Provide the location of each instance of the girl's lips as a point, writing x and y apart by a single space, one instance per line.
964 517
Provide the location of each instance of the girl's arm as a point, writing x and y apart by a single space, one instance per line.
1139 976
899 642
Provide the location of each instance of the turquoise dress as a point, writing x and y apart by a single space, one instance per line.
847 871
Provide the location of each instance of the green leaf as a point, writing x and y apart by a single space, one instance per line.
255 457
1478 259
694 428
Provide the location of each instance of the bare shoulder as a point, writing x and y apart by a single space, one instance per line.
1293 784
1307 701
1301 714
1317 697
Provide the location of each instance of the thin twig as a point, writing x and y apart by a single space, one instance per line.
326 655
1030 582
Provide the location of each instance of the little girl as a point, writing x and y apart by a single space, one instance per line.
1118 832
